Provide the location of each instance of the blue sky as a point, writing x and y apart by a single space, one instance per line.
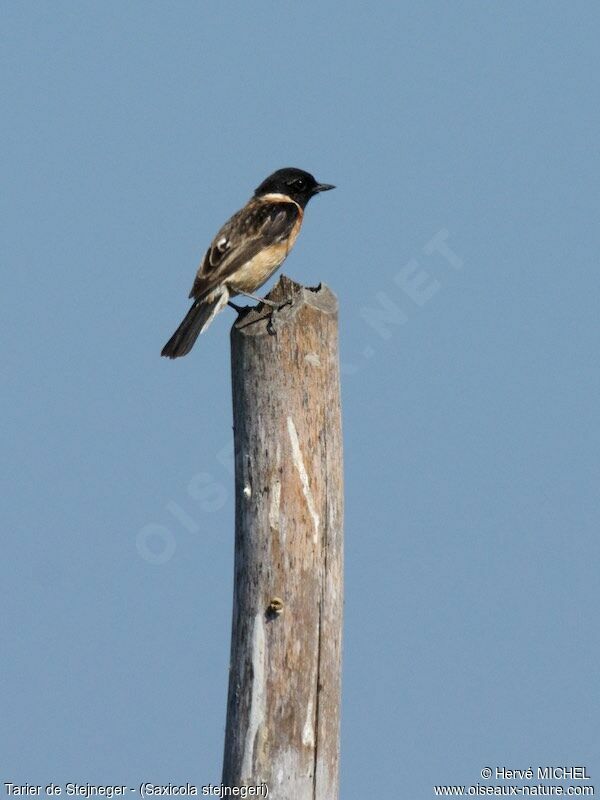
130 132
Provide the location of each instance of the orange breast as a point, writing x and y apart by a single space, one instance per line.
259 269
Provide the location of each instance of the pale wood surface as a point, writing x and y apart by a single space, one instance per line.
284 690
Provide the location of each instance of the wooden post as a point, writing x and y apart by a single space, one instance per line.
283 707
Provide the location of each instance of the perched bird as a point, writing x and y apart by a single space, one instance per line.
246 251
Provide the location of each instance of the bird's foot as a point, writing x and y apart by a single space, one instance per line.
276 307
271 303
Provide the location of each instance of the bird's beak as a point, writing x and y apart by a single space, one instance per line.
323 187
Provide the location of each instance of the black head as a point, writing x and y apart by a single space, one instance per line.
294 183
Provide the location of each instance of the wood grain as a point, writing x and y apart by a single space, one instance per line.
284 688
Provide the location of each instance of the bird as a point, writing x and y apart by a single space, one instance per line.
246 251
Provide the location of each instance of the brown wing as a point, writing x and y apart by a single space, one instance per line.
259 224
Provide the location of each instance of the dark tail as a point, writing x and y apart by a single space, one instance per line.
197 319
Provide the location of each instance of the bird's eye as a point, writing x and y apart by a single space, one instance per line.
299 183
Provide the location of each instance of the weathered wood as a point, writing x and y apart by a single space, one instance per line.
284 686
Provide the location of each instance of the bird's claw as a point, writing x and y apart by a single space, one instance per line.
270 324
